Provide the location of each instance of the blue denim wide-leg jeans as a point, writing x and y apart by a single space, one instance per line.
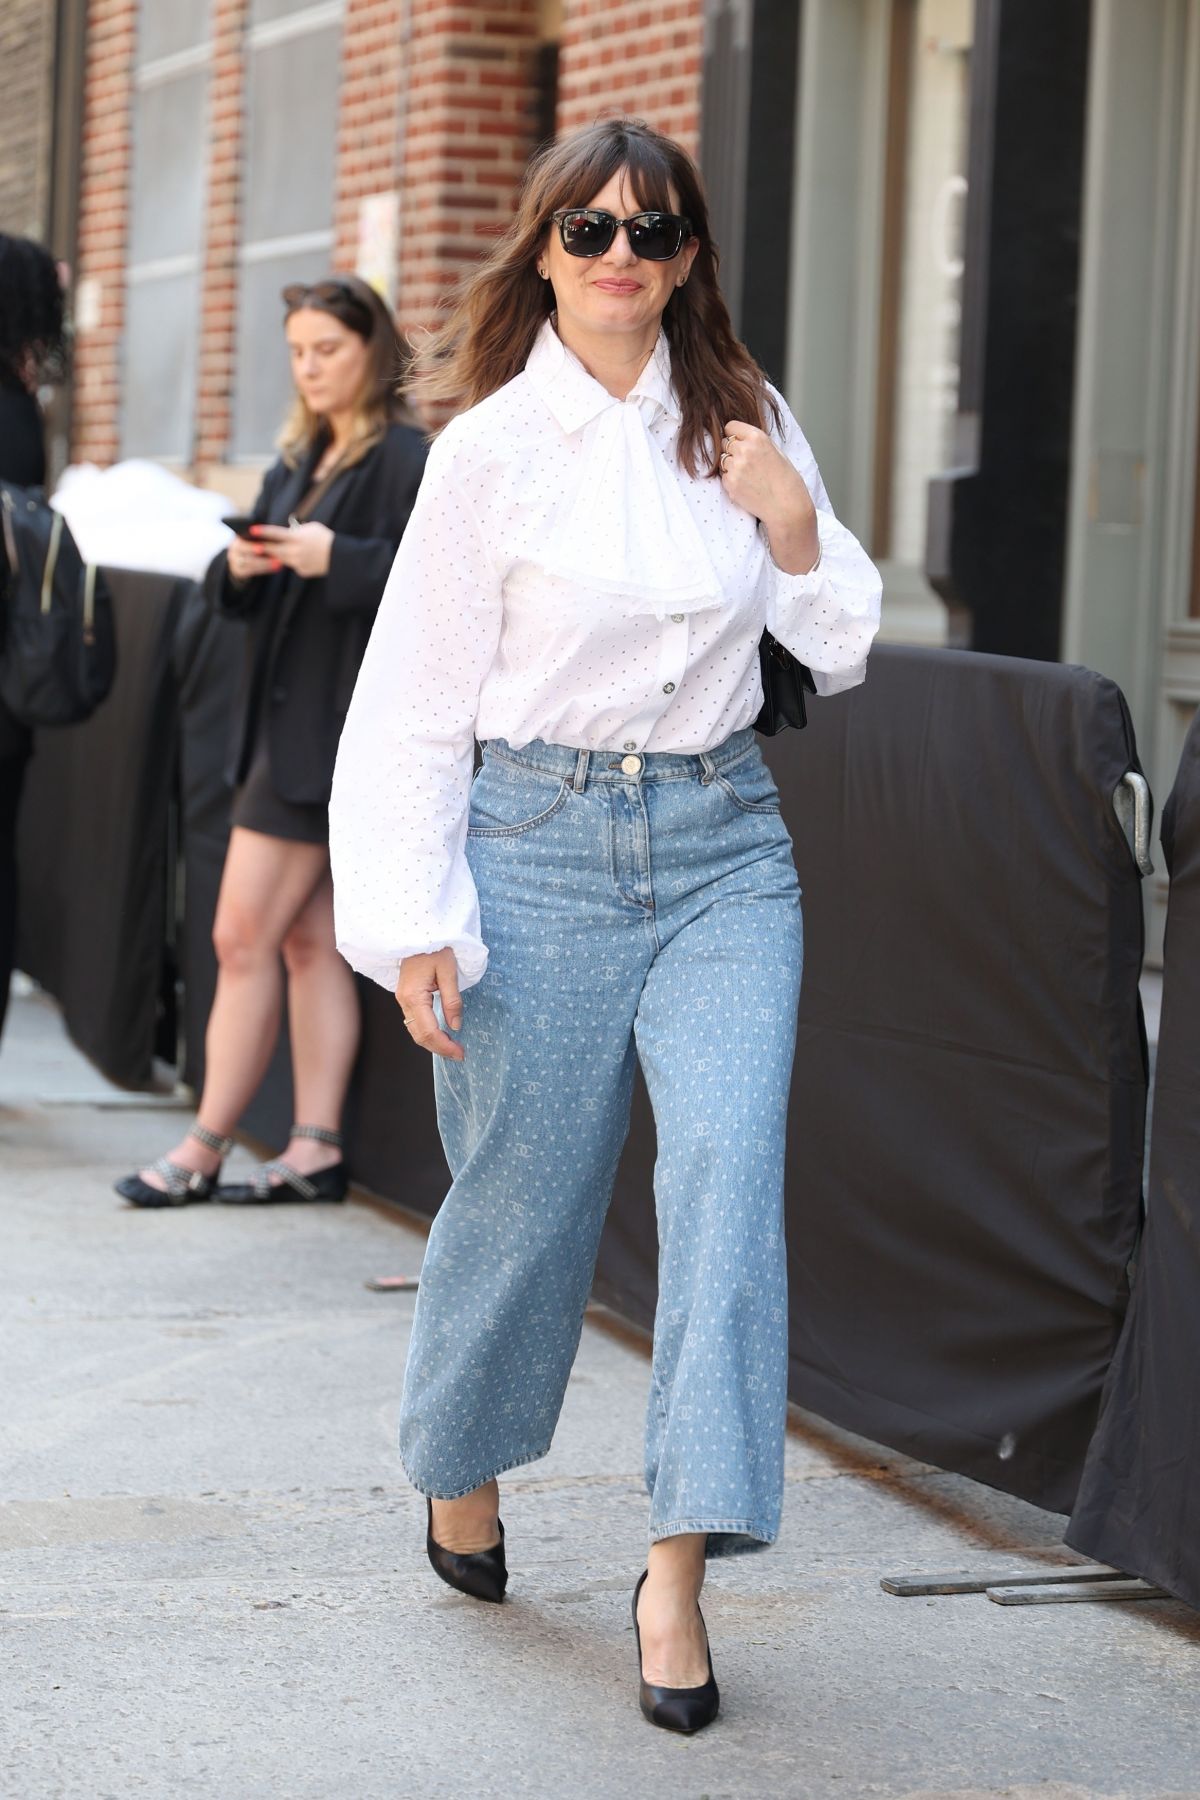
635 908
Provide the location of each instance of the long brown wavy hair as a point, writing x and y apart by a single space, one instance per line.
486 336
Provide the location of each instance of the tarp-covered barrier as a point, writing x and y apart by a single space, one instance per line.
207 663
969 1099
1139 1501
965 1153
93 847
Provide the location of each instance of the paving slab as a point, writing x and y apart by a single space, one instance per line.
212 1579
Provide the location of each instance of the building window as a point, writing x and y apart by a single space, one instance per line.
293 55
921 301
162 314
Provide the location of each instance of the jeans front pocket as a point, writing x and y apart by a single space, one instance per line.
750 784
507 802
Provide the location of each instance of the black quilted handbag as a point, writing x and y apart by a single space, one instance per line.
784 683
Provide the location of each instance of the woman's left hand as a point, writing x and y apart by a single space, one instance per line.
302 548
759 477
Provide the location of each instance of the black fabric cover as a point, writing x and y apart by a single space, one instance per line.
1139 1500
964 1162
92 848
208 654
969 1099
969 1102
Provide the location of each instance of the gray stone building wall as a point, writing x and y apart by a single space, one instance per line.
26 54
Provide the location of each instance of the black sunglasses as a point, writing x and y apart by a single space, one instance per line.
337 297
654 236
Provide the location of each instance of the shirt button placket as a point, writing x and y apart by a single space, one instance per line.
672 662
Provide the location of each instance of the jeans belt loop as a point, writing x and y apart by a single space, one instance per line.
581 770
709 767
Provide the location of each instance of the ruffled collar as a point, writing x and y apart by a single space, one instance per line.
624 528
575 397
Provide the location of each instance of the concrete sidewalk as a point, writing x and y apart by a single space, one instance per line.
213 1576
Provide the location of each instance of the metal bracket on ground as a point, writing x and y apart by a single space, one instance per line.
1067 1584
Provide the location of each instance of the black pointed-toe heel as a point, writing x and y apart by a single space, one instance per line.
675 1709
482 1573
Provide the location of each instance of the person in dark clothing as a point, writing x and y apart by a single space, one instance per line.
305 573
33 350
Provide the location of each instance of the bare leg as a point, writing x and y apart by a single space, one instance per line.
674 1648
266 883
674 1645
468 1525
325 1027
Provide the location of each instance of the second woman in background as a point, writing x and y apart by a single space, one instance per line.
306 574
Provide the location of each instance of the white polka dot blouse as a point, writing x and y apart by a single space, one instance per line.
561 577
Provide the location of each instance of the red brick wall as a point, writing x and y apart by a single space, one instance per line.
222 218
446 120
104 224
468 134
642 57
368 115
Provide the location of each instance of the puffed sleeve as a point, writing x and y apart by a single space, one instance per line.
398 811
828 618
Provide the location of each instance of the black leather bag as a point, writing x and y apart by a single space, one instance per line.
784 684
58 654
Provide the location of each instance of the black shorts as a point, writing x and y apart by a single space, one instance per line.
257 807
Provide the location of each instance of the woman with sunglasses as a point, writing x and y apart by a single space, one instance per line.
305 573
604 531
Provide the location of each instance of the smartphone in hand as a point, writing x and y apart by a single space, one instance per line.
240 523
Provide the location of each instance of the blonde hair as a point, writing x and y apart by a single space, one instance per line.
355 305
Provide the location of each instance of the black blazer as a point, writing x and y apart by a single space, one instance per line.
306 638
23 462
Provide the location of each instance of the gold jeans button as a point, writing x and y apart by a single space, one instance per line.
631 765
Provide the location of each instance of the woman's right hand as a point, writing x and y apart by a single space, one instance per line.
247 559
421 977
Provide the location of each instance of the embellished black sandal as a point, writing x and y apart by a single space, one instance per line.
183 1187
260 1190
